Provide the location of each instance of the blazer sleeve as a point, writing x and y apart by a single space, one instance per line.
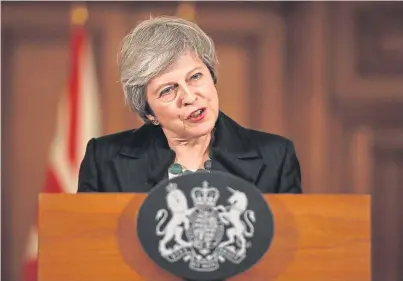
290 178
88 177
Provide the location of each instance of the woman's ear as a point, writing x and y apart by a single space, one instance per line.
150 115
153 119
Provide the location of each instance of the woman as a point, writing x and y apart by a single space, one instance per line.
168 72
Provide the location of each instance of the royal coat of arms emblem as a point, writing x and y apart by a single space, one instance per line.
204 234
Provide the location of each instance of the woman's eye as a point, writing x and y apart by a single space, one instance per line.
196 76
166 91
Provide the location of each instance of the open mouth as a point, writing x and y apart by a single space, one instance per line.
196 113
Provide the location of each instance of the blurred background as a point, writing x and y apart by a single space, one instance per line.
328 75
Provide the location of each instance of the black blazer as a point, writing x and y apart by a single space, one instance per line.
136 160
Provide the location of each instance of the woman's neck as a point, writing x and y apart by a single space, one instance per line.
191 153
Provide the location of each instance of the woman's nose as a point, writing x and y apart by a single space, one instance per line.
188 97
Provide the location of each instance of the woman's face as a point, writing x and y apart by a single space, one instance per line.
184 99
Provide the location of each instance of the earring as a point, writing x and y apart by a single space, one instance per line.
155 122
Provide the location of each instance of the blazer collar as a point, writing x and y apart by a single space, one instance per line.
231 138
232 151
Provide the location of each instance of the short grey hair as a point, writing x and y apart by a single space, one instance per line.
154 45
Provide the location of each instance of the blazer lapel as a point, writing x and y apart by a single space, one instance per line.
246 168
233 153
143 160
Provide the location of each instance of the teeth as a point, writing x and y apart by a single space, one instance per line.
196 113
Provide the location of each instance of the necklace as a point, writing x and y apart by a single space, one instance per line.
177 169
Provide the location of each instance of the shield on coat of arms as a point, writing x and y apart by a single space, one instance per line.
206 229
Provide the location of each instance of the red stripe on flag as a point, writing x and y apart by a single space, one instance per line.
77 46
52 184
30 270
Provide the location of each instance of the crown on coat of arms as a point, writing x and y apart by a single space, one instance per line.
205 195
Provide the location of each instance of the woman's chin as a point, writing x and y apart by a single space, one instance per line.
200 130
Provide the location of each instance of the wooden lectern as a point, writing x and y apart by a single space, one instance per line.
92 237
